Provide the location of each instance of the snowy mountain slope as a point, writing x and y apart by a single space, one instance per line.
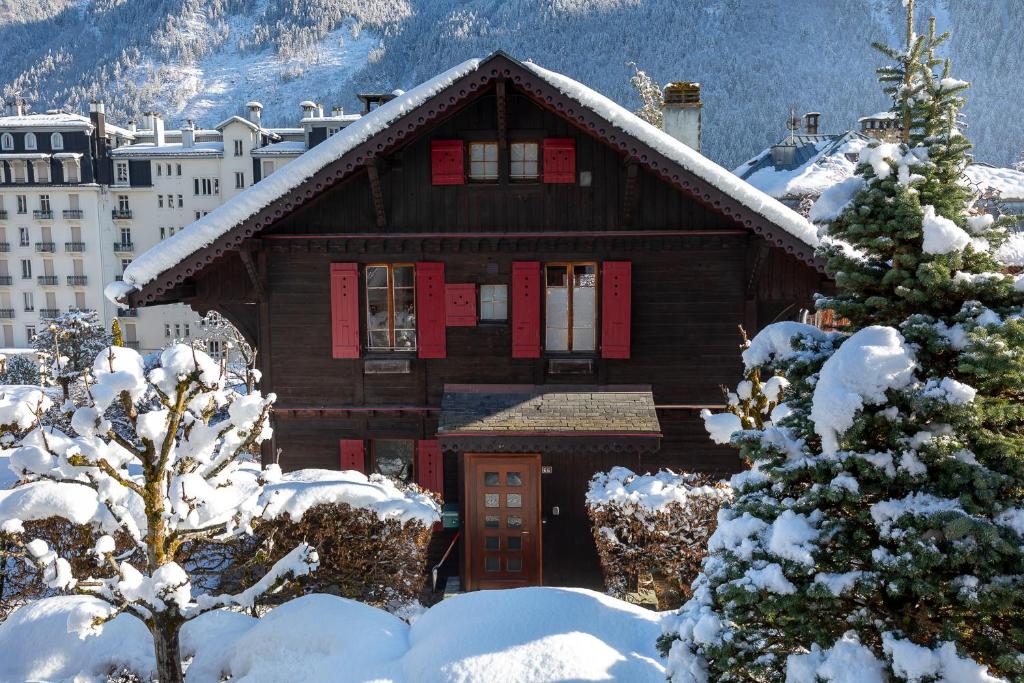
755 58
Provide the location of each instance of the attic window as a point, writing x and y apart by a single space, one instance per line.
524 164
853 157
57 141
30 140
483 161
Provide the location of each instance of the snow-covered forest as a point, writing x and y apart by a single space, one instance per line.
201 58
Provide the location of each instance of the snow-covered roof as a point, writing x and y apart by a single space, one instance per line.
882 115
49 120
285 148
25 156
1006 183
173 149
236 119
343 118
148 266
819 161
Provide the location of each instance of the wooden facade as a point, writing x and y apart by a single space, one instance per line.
694 263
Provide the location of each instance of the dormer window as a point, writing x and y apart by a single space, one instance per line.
7 141
30 141
523 161
483 161
56 141
121 173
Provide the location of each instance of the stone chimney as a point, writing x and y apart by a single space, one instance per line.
255 112
188 134
97 114
132 126
811 119
320 110
681 113
20 106
158 128
308 109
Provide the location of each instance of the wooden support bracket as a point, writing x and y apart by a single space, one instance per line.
377 194
254 276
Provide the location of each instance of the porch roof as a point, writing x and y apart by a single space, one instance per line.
527 417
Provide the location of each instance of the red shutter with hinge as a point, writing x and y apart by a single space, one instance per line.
430 332
345 310
526 309
616 295
559 160
430 465
353 455
446 162
460 305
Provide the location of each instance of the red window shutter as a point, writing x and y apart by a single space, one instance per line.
559 160
353 455
345 310
616 295
430 333
446 162
526 309
460 305
430 465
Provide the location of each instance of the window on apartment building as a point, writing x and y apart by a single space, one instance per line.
159 169
494 302
171 231
239 179
159 201
523 163
30 304
187 335
56 141
121 173
22 203
30 332
167 330
44 203
73 204
483 161
123 205
80 300
206 186
42 172
125 262
570 306
213 348
30 141
26 269
268 167
163 233
391 307
126 235
20 171
177 330
200 214
238 148
169 171
71 172
23 240
181 201
7 141
394 458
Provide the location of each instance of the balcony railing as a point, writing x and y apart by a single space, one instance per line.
42 213
127 313
74 246
49 312
5 246
6 280
132 345
122 214
124 246
119 278
50 280
49 247
6 312
78 280
73 213
3 214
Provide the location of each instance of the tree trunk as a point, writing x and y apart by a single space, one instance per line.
168 650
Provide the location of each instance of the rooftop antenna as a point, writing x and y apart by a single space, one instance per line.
793 123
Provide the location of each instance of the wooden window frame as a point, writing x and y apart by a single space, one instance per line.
570 265
469 162
413 474
480 303
391 307
539 161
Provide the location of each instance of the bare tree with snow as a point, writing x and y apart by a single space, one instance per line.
180 476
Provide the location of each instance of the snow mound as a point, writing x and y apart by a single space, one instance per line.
942 235
622 486
775 342
835 199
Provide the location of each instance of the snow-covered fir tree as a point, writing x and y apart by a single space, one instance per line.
66 346
880 534
178 477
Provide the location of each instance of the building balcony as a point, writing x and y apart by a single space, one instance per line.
3 214
121 214
119 278
49 312
73 213
127 313
6 280
78 280
5 246
47 280
74 246
124 246
46 247
6 313
40 213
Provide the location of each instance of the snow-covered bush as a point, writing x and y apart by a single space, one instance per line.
67 345
879 536
19 369
652 529
178 477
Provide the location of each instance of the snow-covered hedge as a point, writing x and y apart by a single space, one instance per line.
653 529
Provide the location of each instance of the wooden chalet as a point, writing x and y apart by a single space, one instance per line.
495 285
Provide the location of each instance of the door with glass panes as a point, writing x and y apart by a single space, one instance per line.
503 530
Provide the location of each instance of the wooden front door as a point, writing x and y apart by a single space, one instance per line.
503 540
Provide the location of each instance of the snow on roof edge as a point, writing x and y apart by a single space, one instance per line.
164 256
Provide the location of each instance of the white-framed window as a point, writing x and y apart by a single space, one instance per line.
42 171
26 269
206 186
7 141
125 262
30 304
268 167
23 240
493 302
30 141
159 169
167 330
56 141
238 148
171 231
239 179
169 172
159 201
123 206
483 161
121 173
177 330
181 201
126 235
44 203
523 164
570 319
22 203
391 307
187 335
30 332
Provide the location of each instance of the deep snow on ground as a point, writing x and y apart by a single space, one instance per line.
523 635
